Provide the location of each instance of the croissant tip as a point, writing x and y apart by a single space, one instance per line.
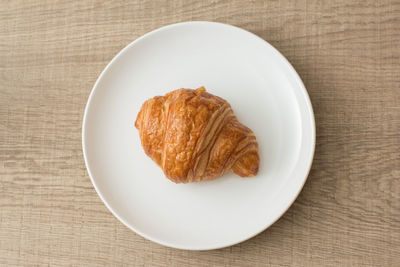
201 89
254 172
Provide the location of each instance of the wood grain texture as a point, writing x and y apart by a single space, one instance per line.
348 55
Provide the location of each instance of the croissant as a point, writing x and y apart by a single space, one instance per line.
194 135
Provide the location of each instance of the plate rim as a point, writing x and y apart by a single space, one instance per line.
309 161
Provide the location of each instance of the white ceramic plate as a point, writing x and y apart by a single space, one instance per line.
266 94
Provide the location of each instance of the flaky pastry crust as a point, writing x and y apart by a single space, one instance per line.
194 135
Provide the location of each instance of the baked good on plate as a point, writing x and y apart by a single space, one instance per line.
194 135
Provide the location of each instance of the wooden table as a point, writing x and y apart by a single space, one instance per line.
348 55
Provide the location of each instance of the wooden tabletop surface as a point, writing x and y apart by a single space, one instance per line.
346 52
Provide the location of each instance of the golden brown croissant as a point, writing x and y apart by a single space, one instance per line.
193 135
